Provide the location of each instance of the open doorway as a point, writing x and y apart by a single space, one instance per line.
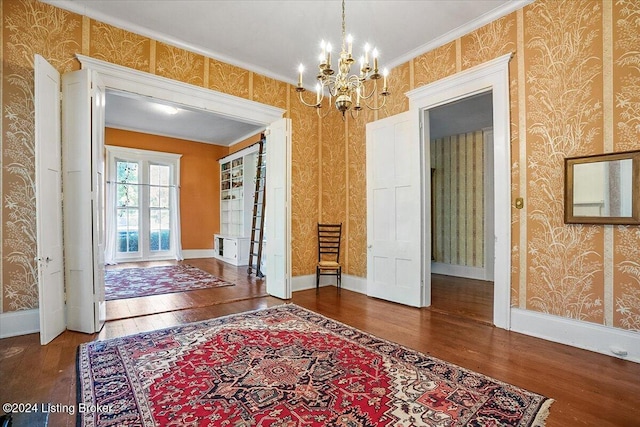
461 161
90 293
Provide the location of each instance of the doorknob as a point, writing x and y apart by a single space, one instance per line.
47 259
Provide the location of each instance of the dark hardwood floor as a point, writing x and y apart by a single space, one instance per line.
246 287
457 296
589 389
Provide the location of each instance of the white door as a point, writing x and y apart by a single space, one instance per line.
395 259
49 200
277 216
82 125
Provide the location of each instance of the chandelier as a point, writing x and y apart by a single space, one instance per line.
350 91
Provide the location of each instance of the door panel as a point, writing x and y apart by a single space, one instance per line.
83 137
277 209
394 232
49 201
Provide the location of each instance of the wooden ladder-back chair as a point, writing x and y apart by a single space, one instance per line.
329 236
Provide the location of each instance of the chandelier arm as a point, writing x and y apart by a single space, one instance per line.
380 107
322 116
316 105
371 93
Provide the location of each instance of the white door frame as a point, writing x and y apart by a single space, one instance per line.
490 76
129 80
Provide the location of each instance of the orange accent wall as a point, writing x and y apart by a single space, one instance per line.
199 181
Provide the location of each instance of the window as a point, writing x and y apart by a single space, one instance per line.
142 205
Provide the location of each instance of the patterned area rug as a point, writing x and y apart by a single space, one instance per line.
142 282
286 366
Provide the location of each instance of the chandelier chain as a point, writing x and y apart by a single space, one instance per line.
344 27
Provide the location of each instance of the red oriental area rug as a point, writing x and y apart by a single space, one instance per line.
286 366
142 282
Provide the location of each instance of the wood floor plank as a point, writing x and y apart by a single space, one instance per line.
589 389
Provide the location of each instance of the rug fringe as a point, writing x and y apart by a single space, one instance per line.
543 413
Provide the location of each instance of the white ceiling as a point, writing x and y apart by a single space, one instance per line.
272 37
142 114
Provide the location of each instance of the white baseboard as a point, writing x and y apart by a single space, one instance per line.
478 273
585 335
351 283
198 253
21 322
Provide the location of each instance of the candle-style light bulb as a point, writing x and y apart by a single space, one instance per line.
329 55
366 53
300 71
385 73
323 55
375 60
349 44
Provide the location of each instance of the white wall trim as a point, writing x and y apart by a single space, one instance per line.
350 283
302 283
481 21
161 37
138 82
21 322
490 76
576 333
466 271
198 253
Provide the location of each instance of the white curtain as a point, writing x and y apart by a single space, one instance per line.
176 238
111 227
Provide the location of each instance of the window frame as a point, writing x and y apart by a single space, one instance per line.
144 158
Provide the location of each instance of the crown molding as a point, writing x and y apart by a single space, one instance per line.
72 6
455 34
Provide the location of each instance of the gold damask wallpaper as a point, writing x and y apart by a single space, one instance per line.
575 89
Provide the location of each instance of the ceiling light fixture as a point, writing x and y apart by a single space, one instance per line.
167 109
351 91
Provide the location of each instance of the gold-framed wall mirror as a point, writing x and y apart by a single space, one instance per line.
602 189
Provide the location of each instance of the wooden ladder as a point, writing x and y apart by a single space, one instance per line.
259 201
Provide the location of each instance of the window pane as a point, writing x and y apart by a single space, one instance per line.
154 197
127 171
159 174
164 198
127 222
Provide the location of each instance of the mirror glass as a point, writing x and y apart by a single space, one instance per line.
602 189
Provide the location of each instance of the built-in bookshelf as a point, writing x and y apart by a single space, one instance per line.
237 174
